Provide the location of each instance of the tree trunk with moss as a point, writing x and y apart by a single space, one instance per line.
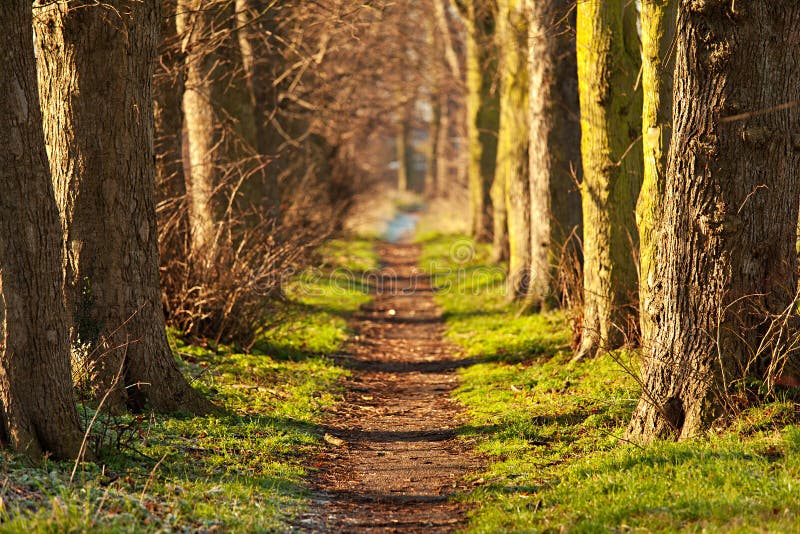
512 141
554 149
97 102
482 108
658 55
37 410
726 262
608 55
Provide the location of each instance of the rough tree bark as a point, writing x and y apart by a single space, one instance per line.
726 262
512 141
95 71
658 56
609 58
482 113
38 409
193 23
554 148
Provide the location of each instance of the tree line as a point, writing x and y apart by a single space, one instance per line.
655 144
166 163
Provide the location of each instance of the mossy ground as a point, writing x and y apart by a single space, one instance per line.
240 469
552 431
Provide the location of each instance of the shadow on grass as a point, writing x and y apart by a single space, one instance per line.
423 367
526 353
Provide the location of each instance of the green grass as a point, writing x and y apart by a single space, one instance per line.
551 430
238 470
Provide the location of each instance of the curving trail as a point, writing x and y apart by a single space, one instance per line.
401 461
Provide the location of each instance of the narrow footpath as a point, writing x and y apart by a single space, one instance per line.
399 461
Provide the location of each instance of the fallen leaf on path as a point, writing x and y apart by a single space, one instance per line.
333 440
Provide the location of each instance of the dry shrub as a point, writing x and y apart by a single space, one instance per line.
225 294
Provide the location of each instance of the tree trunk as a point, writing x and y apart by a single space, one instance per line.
193 24
608 58
499 220
658 33
168 89
442 22
443 174
38 409
432 168
482 116
554 148
403 164
253 28
95 81
512 141
726 261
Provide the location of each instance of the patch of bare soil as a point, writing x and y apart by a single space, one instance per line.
393 462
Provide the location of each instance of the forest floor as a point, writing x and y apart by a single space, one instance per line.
353 384
243 468
551 431
395 462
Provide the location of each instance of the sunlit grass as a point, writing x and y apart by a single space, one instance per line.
240 469
552 432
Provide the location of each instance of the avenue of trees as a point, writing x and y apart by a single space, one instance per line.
164 162
675 126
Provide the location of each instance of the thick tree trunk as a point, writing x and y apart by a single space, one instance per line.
38 409
554 149
193 23
608 57
95 82
726 263
512 142
658 33
482 116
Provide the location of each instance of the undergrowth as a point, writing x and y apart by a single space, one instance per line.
552 431
240 469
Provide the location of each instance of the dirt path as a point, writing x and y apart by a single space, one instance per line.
401 461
